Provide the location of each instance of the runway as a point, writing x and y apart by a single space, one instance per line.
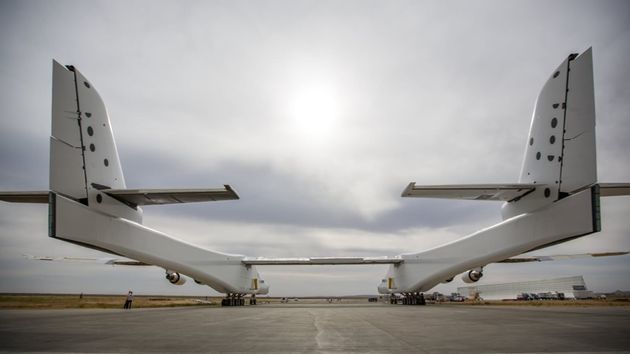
291 328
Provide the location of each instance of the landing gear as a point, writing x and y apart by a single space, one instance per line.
408 299
232 300
420 299
237 300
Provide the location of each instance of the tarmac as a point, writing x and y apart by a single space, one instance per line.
330 328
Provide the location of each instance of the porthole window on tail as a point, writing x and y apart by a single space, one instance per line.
554 122
106 162
92 147
547 192
555 75
538 155
86 84
531 141
99 198
552 139
90 131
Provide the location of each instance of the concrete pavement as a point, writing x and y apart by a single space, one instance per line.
294 328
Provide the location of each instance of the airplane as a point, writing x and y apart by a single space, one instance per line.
556 199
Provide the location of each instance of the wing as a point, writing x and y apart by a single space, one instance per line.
523 259
25 196
108 261
321 261
171 196
497 192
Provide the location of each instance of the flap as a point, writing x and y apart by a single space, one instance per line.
523 259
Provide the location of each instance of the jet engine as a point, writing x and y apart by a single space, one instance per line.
472 276
175 278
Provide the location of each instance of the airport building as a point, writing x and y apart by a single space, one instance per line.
571 287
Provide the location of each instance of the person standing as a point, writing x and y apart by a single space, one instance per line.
128 301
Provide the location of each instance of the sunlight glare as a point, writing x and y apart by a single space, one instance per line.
314 112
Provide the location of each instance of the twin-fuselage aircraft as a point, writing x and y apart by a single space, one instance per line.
556 199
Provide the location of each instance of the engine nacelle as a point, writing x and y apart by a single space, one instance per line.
472 276
175 278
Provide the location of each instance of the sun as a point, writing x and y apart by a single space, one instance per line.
314 112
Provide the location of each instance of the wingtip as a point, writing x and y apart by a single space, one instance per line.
231 190
407 191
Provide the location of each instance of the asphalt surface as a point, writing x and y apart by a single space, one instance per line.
319 328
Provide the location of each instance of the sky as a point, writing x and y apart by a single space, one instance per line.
318 113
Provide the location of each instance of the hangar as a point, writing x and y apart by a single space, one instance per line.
572 287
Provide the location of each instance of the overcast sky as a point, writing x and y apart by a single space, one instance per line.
318 113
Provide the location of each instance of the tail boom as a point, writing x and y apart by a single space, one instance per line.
77 223
571 217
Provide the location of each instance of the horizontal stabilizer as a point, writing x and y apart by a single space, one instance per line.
171 196
321 261
25 197
523 259
614 189
497 192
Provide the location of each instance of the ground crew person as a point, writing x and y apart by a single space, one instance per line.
128 301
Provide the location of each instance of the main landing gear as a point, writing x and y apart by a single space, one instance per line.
408 299
237 300
233 300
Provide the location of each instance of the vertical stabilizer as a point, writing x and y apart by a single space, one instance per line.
560 150
84 158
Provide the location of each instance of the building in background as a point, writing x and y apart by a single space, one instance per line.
571 287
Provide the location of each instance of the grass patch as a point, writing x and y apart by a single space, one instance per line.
36 301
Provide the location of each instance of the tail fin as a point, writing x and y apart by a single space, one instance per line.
560 153
83 154
90 206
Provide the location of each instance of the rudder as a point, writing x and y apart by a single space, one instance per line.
83 155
